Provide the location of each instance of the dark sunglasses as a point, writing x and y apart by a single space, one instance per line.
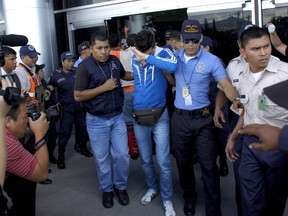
194 40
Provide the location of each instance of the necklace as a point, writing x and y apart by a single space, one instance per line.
104 72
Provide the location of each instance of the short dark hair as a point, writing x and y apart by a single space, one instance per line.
253 33
8 51
114 40
98 36
14 110
145 40
175 35
131 40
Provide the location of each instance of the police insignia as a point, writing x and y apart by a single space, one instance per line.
205 112
200 67
60 80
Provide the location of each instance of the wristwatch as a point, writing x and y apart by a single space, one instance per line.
271 28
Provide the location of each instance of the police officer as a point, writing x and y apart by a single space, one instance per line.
191 123
72 113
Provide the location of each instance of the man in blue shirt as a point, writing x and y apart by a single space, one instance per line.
84 51
149 65
192 123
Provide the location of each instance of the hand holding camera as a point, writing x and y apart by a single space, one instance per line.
10 88
39 127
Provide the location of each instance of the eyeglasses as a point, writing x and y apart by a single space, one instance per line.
194 40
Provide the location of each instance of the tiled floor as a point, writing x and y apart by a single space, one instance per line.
74 192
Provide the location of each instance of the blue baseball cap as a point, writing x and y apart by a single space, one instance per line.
207 41
243 28
66 55
28 50
191 29
84 45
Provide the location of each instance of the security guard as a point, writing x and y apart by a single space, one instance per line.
72 113
191 123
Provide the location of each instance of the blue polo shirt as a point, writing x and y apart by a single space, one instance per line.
197 73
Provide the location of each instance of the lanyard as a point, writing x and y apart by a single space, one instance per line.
187 82
103 70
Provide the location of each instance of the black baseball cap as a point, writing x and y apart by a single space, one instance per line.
278 93
39 67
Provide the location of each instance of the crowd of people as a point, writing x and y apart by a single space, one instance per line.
176 101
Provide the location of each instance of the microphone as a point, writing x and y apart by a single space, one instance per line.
13 40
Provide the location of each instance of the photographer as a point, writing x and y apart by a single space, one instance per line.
25 168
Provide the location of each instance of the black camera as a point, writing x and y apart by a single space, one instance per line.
11 95
52 113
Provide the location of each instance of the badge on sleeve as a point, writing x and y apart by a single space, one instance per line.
262 103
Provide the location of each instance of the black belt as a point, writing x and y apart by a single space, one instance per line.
205 112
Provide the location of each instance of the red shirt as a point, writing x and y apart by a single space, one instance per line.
19 161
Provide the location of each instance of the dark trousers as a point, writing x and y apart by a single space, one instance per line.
238 149
196 132
263 180
23 195
52 137
67 120
222 134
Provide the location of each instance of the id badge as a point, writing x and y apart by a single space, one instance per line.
262 103
185 91
235 82
188 100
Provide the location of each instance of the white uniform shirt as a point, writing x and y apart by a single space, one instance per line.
251 91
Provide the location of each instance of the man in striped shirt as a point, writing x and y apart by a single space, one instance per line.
25 168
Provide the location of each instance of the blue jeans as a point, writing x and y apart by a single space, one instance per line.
160 133
108 137
128 106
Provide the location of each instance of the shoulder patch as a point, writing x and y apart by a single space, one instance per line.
60 80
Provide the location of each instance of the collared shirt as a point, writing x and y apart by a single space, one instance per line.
64 82
79 60
252 95
3 72
236 67
197 74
